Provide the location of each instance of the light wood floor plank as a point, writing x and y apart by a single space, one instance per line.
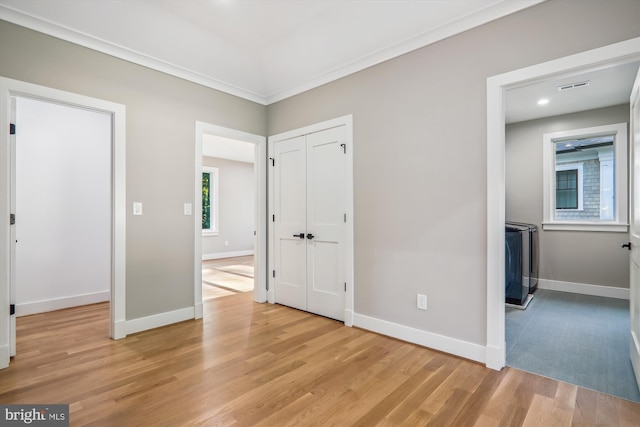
248 364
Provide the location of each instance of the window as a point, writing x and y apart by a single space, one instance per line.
209 200
567 189
585 179
569 185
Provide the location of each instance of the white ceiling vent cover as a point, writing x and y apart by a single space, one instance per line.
573 86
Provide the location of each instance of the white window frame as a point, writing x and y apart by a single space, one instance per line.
567 167
620 222
214 228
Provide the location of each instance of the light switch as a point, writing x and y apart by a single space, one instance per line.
137 208
187 208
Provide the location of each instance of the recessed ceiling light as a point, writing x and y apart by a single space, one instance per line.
543 101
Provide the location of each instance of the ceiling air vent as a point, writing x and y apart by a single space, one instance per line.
573 86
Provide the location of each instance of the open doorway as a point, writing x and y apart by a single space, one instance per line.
499 90
228 216
230 240
11 89
62 206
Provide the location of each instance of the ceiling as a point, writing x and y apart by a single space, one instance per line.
261 50
227 148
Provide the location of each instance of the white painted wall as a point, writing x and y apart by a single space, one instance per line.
63 199
236 199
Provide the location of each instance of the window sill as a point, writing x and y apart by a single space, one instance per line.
210 233
612 227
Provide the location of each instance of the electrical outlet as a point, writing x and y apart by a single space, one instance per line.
422 302
137 208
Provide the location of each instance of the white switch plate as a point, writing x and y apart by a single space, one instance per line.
137 208
422 302
187 209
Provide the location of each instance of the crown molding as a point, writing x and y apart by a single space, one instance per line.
468 22
82 39
449 29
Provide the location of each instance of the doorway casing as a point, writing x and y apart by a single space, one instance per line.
615 54
10 88
260 175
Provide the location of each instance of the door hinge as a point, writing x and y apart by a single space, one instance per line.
345 286
12 309
345 218
12 219
273 218
273 161
344 148
12 129
274 273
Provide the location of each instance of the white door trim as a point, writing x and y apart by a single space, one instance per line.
10 87
260 173
347 122
618 53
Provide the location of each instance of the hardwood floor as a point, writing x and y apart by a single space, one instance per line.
227 276
249 364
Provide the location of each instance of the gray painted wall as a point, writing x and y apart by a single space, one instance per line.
160 131
570 256
420 157
236 192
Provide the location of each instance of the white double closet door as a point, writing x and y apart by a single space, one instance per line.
309 216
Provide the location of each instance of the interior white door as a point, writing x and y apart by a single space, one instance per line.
309 199
634 239
326 219
289 210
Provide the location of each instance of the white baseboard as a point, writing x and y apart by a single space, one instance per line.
495 357
583 288
119 329
198 311
158 320
417 336
220 255
28 308
348 318
4 356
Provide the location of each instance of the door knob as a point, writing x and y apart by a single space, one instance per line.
300 236
627 245
310 236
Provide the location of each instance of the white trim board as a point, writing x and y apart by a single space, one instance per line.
221 255
615 54
160 319
584 289
36 307
443 343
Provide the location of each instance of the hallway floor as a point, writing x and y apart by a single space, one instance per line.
227 276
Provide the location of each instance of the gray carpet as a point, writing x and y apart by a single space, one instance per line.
578 339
